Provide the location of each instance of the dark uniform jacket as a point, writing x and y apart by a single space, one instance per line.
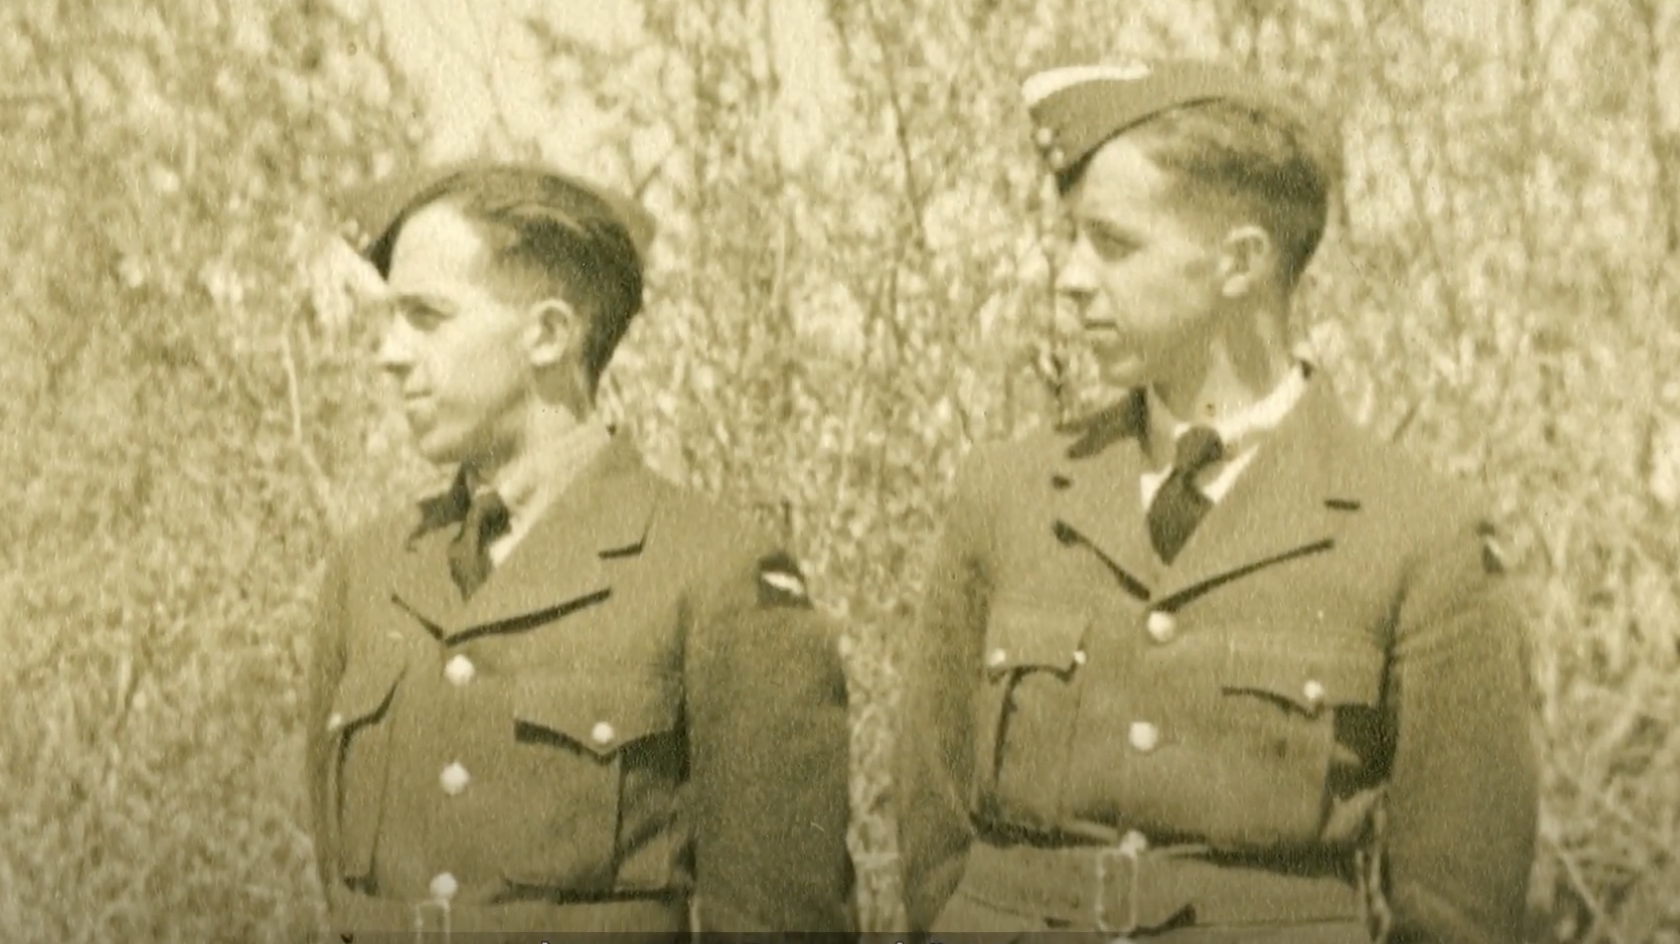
1093 738
638 710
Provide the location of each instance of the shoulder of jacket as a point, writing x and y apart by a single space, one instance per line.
378 533
1013 460
715 523
729 554
1417 503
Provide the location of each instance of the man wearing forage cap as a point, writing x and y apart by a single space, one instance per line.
1211 664
563 695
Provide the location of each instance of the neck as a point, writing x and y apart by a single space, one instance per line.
1237 368
548 428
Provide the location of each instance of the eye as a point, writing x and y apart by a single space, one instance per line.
1108 243
420 315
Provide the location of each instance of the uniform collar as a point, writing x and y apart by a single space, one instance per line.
1237 430
529 487
602 513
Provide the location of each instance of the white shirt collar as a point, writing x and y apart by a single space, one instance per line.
535 483
1241 433
1237 430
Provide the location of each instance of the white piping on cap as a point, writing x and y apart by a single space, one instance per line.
1044 84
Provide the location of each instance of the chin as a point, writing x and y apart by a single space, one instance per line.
1124 372
437 449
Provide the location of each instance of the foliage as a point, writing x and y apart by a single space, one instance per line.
853 286
173 445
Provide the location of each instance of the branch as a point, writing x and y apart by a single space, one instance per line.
321 490
1405 422
639 187
1665 149
914 194
1602 928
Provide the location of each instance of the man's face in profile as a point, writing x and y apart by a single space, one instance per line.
455 347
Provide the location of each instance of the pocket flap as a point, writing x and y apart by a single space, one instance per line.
1310 674
362 693
1023 635
599 715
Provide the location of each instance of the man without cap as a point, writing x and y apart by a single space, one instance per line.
1180 659
563 695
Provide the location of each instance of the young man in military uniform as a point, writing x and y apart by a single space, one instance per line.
1178 660
563 695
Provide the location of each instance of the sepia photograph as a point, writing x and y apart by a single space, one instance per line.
916 471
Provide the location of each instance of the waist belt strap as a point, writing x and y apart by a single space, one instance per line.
363 918
1121 890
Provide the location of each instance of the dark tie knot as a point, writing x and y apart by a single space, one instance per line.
1197 449
487 517
469 552
1178 506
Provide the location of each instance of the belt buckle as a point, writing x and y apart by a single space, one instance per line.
1124 855
429 916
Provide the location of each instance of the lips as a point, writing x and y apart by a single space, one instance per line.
1104 332
416 406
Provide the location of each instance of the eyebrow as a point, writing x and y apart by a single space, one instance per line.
1108 228
436 303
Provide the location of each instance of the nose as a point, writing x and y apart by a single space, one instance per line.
1076 279
396 346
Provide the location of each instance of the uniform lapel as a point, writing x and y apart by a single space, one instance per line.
1095 493
558 565
420 579
1278 509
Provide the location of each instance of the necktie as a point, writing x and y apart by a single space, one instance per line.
1179 506
469 552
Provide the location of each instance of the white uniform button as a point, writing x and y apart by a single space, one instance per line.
335 721
454 779
1143 736
603 733
443 886
1313 692
1079 657
1161 626
1057 158
1133 842
459 670
1045 137
996 658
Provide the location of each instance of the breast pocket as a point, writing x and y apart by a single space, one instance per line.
1279 705
1028 703
360 759
595 763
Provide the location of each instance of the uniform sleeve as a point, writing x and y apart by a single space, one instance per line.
321 677
1463 791
941 669
769 747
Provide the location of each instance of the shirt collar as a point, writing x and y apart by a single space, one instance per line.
1237 430
543 474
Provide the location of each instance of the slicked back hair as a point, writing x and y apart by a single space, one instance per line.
542 230
1264 162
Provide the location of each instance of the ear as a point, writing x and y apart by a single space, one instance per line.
1247 261
551 332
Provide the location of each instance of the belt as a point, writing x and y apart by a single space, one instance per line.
1130 887
362 918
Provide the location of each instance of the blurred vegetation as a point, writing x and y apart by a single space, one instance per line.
853 286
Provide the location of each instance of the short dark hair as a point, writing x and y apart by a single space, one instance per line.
1267 161
542 225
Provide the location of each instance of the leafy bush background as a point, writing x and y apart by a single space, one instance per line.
191 411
